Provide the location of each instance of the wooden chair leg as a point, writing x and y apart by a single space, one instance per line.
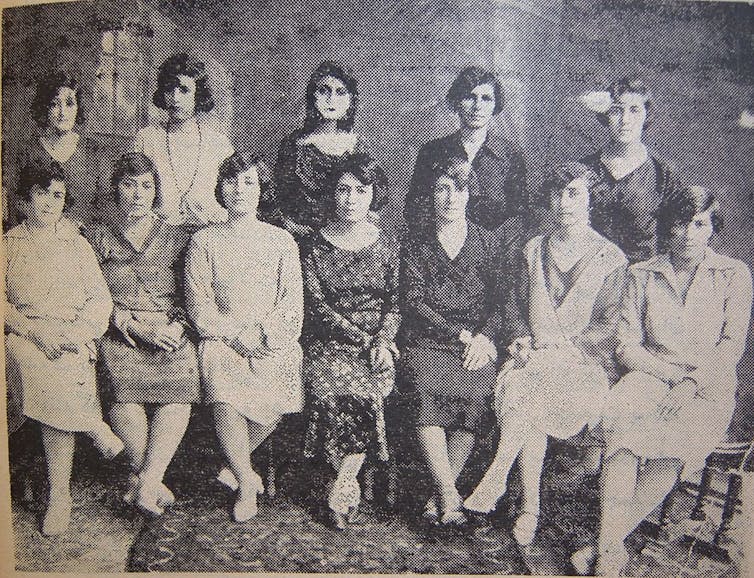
697 513
729 507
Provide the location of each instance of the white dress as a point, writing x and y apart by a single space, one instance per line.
244 280
708 331
562 386
185 200
59 284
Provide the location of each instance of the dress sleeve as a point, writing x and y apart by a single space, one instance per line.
737 314
413 286
94 318
324 314
200 295
514 288
15 321
416 207
276 204
282 326
391 318
631 352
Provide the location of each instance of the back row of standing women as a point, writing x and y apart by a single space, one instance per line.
587 343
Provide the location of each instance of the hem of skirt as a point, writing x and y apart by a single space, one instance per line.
67 427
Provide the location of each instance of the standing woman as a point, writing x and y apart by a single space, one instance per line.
57 110
147 358
351 292
571 286
682 332
186 150
451 320
634 181
307 156
244 294
56 304
498 196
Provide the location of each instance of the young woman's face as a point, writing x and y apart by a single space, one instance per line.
570 205
61 116
450 197
352 199
331 98
691 240
477 108
241 194
180 99
626 117
136 194
45 205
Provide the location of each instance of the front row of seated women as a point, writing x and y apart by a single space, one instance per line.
648 352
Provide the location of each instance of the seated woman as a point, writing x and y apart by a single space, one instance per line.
572 283
56 304
244 294
451 319
682 332
351 303
147 358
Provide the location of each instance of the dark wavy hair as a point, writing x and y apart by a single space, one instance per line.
680 207
558 177
629 86
133 165
39 174
467 80
47 90
367 171
339 71
183 64
237 163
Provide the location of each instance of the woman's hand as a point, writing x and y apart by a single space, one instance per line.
479 352
521 349
51 341
380 359
677 397
168 337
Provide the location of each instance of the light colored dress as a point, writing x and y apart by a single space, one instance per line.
58 283
185 199
562 386
708 331
243 279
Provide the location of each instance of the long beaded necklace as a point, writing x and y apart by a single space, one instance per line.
172 165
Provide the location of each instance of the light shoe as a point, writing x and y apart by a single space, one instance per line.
58 516
431 514
245 508
226 477
582 560
165 497
483 502
525 528
147 498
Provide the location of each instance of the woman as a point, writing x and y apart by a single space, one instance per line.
244 294
186 150
307 156
147 358
451 320
558 375
498 196
351 293
57 303
57 111
634 181
682 331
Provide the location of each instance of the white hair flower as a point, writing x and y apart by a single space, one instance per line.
597 100
746 120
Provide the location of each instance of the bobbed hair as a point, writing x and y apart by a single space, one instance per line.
557 178
467 80
132 165
628 86
342 73
39 174
237 163
183 64
47 89
680 207
367 171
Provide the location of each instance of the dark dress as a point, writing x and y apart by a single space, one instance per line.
441 297
498 194
300 177
623 210
351 305
146 285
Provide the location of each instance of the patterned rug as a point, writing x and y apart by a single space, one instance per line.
288 535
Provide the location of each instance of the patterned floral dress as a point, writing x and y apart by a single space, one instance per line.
351 303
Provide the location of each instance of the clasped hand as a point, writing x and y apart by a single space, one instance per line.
169 336
51 341
478 351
